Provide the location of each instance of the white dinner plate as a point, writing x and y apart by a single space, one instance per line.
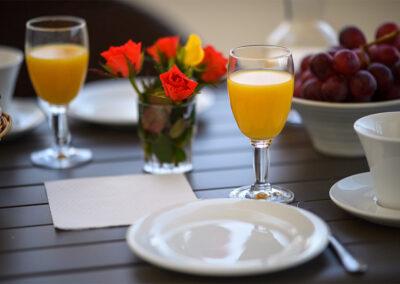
227 237
355 194
26 116
113 102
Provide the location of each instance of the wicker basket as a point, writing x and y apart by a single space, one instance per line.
5 124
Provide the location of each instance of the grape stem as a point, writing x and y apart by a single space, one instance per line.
384 38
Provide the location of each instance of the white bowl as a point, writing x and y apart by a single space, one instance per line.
330 125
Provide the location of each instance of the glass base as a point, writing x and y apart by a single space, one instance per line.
167 168
67 158
273 194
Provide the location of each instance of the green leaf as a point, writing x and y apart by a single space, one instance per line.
158 98
180 56
185 138
177 128
162 58
147 150
131 68
163 148
180 155
171 62
141 133
108 70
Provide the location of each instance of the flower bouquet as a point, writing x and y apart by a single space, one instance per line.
166 103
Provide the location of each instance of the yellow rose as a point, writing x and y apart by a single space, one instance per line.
194 54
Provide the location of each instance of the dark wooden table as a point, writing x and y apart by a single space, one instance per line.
32 251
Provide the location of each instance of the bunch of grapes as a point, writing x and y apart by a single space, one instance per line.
355 71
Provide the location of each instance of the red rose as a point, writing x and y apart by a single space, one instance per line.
215 65
167 46
177 86
117 58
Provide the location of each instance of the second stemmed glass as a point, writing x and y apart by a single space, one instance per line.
260 87
57 54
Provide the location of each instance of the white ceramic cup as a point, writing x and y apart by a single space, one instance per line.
10 62
380 137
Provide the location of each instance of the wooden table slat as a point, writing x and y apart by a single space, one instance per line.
383 258
112 148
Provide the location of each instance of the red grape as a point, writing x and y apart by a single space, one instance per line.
387 54
383 76
363 57
334 89
346 62
305 63
351 37
393 93
396 70
321 65
306 75
353 71
297 88
373 52
362 86
332 50
396 42
311 90
386 28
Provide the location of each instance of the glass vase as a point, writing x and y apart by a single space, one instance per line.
304 32
166 132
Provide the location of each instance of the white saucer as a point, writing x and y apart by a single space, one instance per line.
113 102
355 195
228 237
26 116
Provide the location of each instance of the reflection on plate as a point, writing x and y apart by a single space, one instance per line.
26 116
228 237
355 195
112 102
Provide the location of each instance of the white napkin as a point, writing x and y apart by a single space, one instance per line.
113 201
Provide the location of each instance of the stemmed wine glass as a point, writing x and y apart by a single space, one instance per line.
57 54
260 87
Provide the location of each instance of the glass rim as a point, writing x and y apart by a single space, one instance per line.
78 23
287 54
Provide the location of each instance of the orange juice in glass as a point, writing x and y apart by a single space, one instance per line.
57 71
56 49
260 88
250 90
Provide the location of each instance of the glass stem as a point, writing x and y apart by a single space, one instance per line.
59 127
261 164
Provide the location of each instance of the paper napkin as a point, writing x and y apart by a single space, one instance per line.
113 201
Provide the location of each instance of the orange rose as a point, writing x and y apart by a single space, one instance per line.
215 65
166 46
118 57
177 86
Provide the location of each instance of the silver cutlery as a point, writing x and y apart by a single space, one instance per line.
349 262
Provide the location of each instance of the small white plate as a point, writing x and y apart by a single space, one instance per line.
113 102
355 195
26 116
227 237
